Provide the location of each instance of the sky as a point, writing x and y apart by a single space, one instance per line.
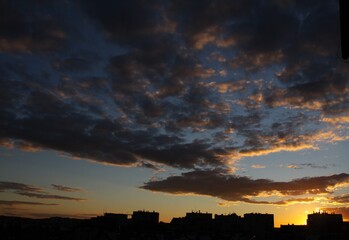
173 106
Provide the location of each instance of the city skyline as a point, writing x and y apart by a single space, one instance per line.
154 216
146 224
216 105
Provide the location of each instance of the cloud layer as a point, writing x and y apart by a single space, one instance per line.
184 84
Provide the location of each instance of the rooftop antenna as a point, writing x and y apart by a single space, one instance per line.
105 210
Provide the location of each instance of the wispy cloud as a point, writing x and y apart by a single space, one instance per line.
9 186
19 203
344 199
65 188
310 165
48 215
293 166
36 192
48 196
258 166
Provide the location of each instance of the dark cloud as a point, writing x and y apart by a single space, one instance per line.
35 192
343 199
243 189
282 135
29 27
132 22
10 186
316 95
281 202
185 84
65 188
210 22
184 155
19 203
71 65
103 140
48 196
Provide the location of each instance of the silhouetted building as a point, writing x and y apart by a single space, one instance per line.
110 221
292 232
323 225
226 217
346 228
145 217
260 225
230 224
198 216
116 216
324 221
259 220
199 221
193 222
176 221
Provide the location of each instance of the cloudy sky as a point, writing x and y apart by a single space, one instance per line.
213 105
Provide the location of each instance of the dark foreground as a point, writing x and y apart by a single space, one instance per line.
109 227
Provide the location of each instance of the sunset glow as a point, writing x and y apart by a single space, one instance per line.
173 106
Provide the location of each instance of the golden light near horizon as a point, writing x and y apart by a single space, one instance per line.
173 106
